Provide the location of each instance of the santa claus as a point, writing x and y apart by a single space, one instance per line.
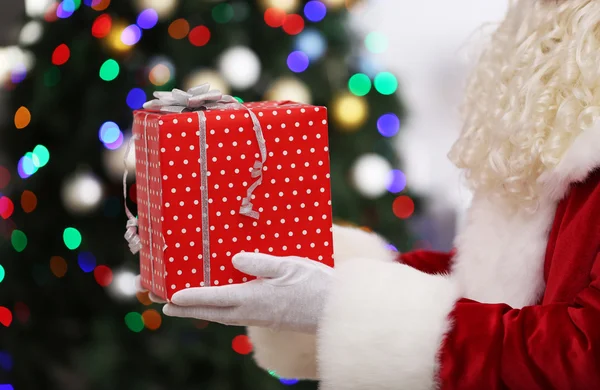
516 305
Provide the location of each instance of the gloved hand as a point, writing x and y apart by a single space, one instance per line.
289 294
139 288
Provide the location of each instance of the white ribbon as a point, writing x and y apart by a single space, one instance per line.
203 98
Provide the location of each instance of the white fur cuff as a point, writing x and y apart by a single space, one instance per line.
289 354
383 327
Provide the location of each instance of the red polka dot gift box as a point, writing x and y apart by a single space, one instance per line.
215 182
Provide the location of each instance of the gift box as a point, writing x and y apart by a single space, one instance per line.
215 182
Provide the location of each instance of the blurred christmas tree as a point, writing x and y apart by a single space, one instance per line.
69 316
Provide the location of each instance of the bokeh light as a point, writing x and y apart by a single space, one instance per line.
147 19
152 319
4 177
179 29
6 318
359 84
274 17
22 117
371 175
18 73
116 144
31 33
315 11
199 36
65 9
386 83
288 382
136 98
388 124
61 54
312 43
109 132
222 13
6 361
131 35
22 312
350 111
124 284
28 201
18 240
81 193
100 5
164 8
376 42
285 5
26 166
52 76
72 238
241 344
159 75
397 181
403 207
86 261
109 70
134 322
58 266
50 15
240 66
298 61
7 207
41 156
114 38
2 273
103 275
101 26
209 76
293 24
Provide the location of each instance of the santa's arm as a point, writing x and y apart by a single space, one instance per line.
293 355
389 326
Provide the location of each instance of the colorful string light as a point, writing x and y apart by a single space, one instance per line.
6 316
136 98
109 70
359 84
40 156
71 238
160 74
7 207
376 42
298 61
315 11
103 275
293 24
26 166
61 54
18 240
403 207
147 19
58 266
6 361
274 17
100 5
86 261
4 177
22 117
397 181
109 132
28 201
101 26
152 319
2 273
115 145
388 125
199 36
179 29
386 83
312 43
65 9
241 344
222 13
134 322
131 35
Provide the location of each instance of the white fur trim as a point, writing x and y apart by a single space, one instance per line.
289 354
293 355
582 157
500 255
351 243
383 327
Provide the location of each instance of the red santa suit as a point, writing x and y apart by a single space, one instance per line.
515 306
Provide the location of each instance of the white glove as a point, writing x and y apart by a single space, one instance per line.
289 294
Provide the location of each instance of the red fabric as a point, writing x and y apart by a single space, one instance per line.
553 345
427 261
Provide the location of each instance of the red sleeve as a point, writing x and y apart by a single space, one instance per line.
428 261
553 346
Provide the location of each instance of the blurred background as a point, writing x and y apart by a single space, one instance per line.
71 72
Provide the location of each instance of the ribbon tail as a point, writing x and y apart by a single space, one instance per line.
131 234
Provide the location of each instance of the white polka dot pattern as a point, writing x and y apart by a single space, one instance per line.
294 199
